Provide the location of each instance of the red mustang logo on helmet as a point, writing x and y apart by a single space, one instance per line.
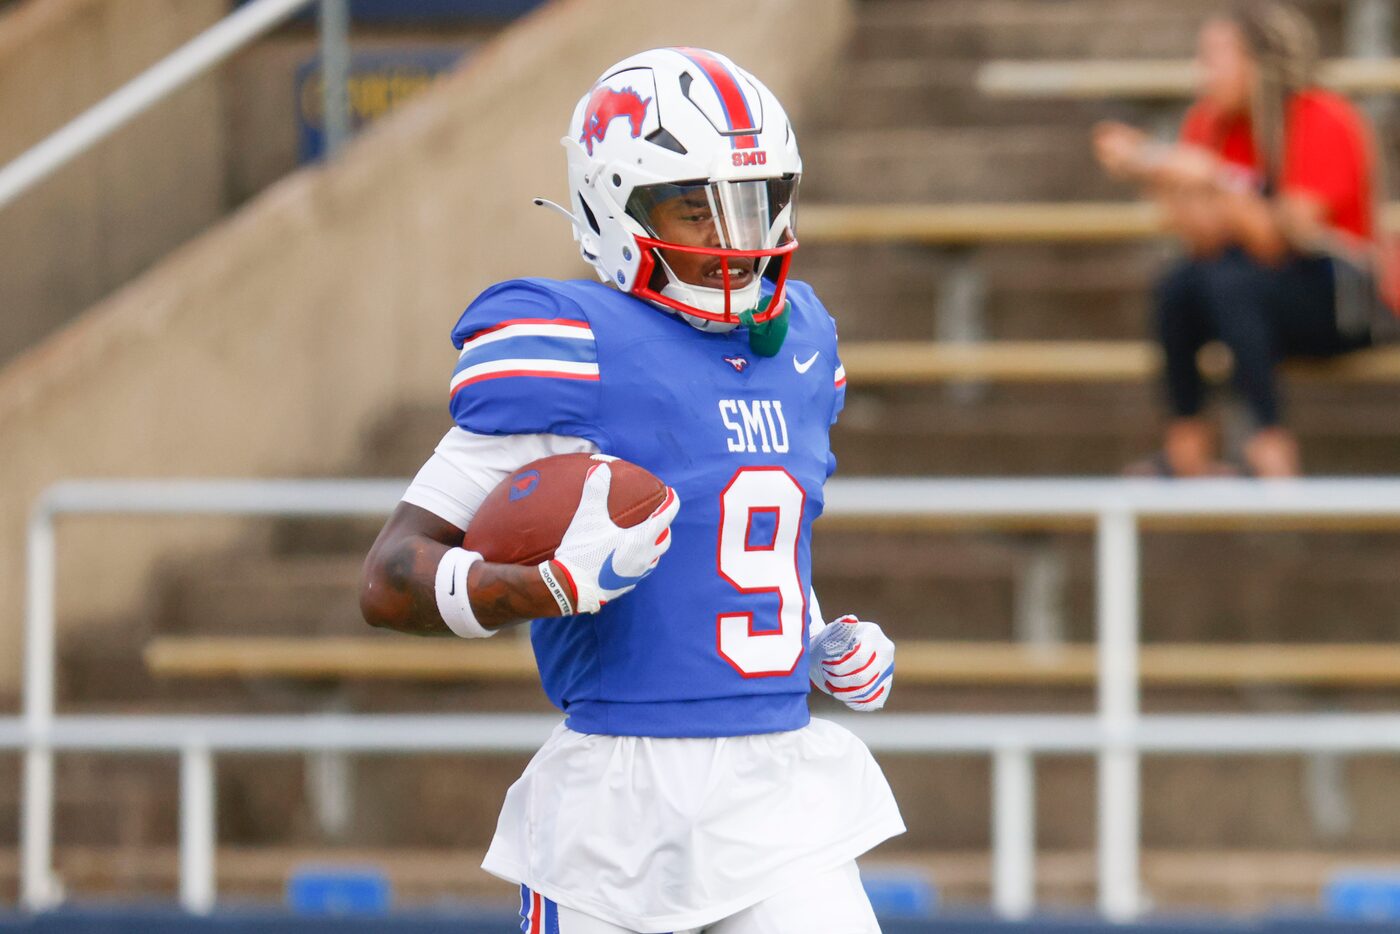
605 106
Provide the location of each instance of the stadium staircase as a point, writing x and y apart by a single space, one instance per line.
904 123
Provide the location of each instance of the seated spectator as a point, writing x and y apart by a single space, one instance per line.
1273 189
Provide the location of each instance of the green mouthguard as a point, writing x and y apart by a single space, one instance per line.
765 339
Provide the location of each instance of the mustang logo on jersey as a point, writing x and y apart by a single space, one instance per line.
738 363
754 426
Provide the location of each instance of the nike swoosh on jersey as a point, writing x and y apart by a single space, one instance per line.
804 367
609 579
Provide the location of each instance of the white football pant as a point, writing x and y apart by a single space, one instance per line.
832 902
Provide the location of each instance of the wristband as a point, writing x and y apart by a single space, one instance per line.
451 589
556 589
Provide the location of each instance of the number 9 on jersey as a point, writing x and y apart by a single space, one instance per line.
760 518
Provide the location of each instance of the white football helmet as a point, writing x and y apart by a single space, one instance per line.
685 124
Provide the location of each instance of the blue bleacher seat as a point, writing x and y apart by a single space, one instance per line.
1371 895
897 893
338 890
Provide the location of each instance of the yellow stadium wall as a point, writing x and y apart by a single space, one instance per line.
266 346
116 210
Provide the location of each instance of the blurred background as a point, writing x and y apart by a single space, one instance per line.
230 285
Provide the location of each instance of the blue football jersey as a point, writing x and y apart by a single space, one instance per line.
713 642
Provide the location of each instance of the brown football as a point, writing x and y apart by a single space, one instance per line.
523 519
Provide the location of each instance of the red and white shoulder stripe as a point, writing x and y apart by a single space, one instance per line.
560 348
565 328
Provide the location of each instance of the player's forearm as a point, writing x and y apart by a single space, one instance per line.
399 590
503 594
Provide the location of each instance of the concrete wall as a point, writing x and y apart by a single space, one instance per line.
112 213
259 92
266 346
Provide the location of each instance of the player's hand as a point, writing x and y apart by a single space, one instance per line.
601 561
853 661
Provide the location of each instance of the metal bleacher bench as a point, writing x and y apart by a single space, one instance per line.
920 662
1161 78
954 226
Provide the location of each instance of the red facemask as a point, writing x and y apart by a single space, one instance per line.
730 315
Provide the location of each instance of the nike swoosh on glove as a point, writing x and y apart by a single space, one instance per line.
602 561
853 661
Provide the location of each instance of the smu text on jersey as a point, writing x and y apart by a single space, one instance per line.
755 425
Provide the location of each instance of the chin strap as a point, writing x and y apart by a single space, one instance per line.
765 339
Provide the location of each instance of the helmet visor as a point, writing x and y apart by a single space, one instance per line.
754 215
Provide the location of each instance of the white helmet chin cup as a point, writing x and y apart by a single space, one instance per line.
724 138
711 300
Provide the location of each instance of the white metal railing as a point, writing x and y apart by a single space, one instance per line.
171 73
1118 734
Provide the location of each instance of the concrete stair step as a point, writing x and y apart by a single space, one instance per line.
1020 29
264 595
1197 587
405 437
259 874
981 451
1067 430
1032 292
1199 803
936 91
1229 879
916 163
1016 29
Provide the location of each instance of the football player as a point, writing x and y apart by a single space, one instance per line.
688 788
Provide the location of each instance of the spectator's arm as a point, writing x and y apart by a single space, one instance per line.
1205 200
1122 150
1194 215
1236 211
1128 153
1255 223
1303 218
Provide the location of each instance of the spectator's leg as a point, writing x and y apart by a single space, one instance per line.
1273 452
1243 297
1183 328
1248 302
1307 315
1306 325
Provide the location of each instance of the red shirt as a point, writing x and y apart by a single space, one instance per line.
1327 153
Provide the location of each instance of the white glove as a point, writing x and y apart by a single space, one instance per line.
600 561
853 661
